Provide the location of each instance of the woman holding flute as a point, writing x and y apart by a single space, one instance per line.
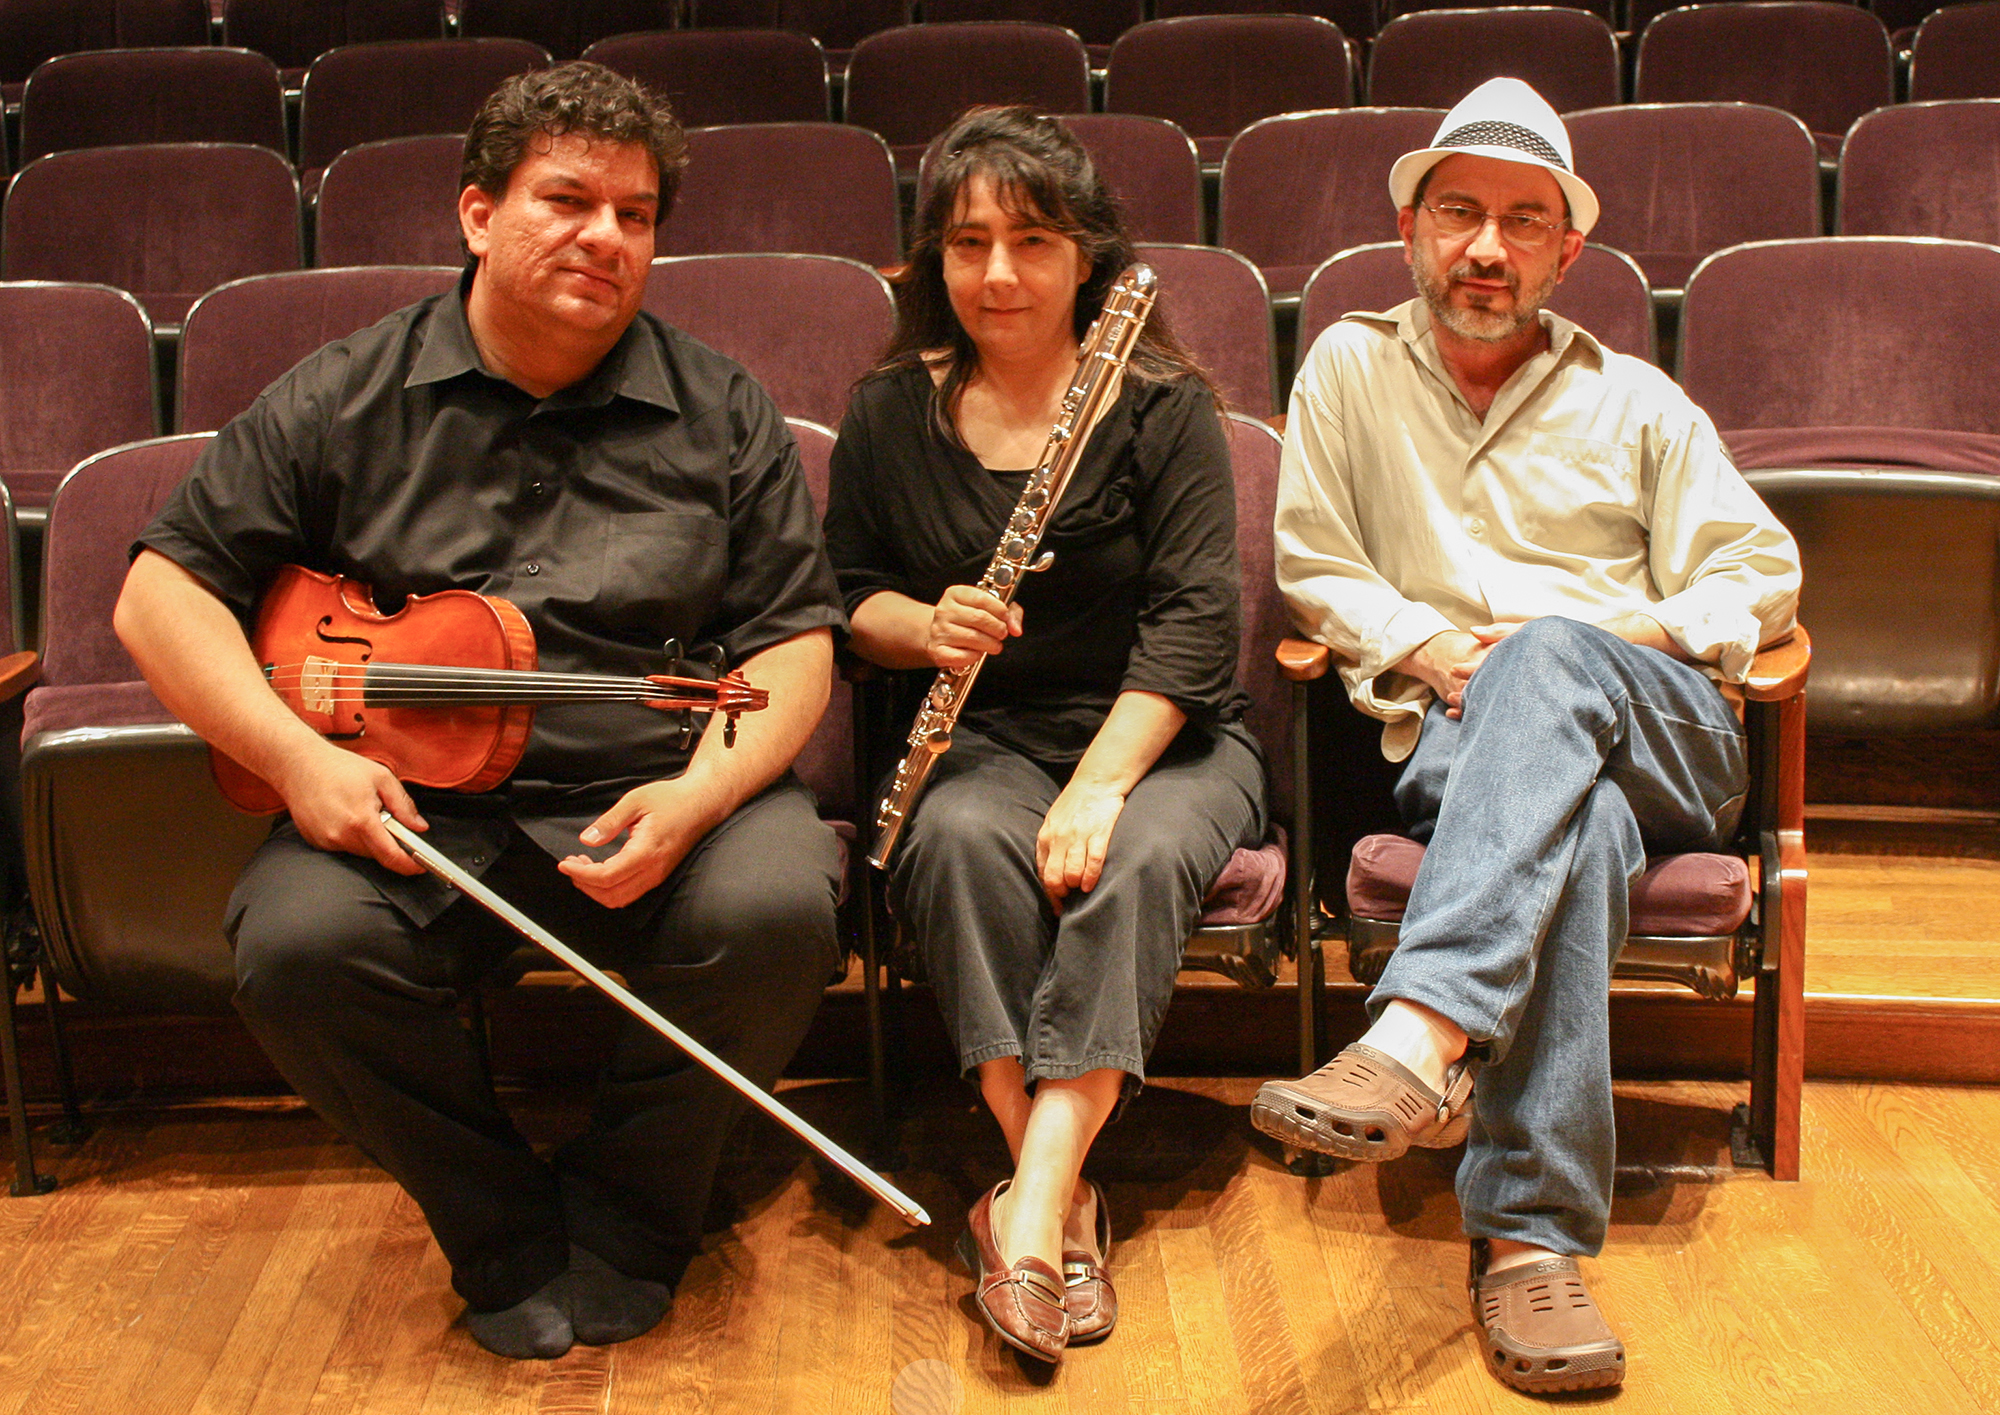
1098 779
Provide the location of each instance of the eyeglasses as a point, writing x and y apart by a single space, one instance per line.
1517 228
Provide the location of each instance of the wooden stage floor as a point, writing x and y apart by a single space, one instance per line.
225 1258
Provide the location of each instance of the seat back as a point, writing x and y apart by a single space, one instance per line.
826 763
908 84
32 31
1254 451
1845 332
189 217
563 27
1923 169
1604 292
1825 62
1677 181
392 203
1095 22
1357 18
1599 8
116 96
819 188
1219 306
838 24
77 375
1956 54
293 33
241 337
713 77
1151 167
367 92
1434 58
1215 75
805 326
1299 187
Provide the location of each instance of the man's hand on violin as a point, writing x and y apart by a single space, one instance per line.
968 623
664 828
337 798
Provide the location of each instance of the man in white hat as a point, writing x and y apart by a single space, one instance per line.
1538 566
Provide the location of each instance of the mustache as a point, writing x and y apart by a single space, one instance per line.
1473 270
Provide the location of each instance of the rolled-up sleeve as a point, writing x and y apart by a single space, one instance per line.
1727 570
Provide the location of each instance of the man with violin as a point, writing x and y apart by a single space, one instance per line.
534 438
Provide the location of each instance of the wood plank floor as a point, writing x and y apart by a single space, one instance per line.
223 1258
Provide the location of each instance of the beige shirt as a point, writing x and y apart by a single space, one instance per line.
1592 488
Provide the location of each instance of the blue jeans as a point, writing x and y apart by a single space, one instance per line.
1577 753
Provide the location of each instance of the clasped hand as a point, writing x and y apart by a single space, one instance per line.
967 624
1446 662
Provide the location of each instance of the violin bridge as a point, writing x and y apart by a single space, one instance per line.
319 682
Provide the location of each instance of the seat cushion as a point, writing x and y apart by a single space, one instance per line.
1679 896
1248 888
59 707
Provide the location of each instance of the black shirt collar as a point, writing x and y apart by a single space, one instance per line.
633 369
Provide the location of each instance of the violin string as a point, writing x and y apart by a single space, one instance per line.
389 683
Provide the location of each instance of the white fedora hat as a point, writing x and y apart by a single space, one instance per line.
1502 118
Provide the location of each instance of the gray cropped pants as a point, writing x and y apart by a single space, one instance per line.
1088 988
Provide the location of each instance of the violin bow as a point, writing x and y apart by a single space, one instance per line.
445 869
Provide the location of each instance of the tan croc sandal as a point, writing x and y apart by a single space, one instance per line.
1088 1295
1365 1105
1544 1332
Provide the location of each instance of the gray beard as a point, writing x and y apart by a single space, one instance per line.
1483 326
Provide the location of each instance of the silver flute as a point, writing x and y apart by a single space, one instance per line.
1106 349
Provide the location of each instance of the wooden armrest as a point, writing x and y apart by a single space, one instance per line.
1302 661
1277 422
18 673
1780 670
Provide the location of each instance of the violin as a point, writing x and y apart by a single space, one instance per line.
442 692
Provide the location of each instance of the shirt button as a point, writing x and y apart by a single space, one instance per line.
478 859
536 488
1476 526
533 568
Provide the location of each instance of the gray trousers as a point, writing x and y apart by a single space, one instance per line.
358 1008
1577 754
1086 989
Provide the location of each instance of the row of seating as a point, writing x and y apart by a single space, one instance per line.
1828 63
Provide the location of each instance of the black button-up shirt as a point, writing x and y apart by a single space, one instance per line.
659 498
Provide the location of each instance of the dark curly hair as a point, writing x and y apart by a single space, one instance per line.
577 97
1041 172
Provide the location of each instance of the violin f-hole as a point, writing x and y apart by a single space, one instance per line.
320 633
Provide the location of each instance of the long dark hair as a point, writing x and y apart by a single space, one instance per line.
1039 172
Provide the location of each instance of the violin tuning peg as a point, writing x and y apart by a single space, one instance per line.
687 729
729 730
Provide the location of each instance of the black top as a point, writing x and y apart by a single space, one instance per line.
659 498
1143 593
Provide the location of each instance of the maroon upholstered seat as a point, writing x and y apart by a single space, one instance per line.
1599 8
1357 18
1678 181
1433 58
1923 169
1956 54
1827 63
819 188
713 77
115 96
908 84
1220 308
242 336
293 33
1604 292
76 376
1098 23
368 92
1151 166
392 203
32 31
166 222
563 27
837 24
1215 75
1300 187
805 326
1679 896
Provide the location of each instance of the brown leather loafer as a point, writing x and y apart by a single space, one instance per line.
1024 1304
1087 1292
1365 1105
1544 1332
